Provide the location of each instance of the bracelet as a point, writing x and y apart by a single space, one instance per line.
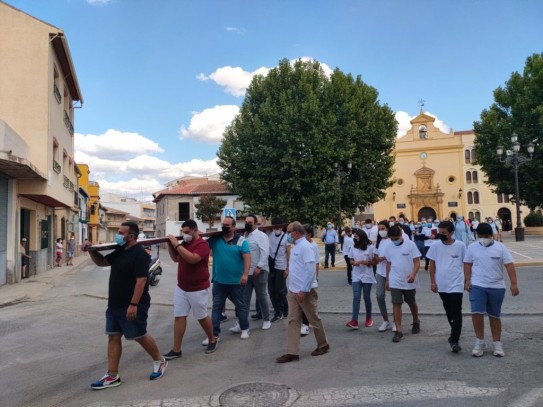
180 244
133 304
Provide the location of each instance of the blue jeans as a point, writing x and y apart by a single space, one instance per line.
260 284
358 288
235 292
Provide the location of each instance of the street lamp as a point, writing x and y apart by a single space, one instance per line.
515 160
340 175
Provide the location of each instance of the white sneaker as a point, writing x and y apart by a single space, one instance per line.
236 329
304 330
266 325
205 342
244 334
479 348
394 327
498 349
384 326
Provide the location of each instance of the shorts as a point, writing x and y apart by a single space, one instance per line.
184 301
116 322
70 254
486 300
398 296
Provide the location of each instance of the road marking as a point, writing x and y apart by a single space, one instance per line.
520 254
533 398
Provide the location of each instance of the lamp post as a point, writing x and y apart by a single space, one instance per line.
340 175
515 160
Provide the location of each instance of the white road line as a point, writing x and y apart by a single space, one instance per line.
533 398
520 254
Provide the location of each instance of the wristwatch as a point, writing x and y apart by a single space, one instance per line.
133 304
180 244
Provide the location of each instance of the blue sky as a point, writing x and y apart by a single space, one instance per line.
161 78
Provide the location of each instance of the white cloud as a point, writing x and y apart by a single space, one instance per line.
115 144
234 30
404 124
235 80
209 124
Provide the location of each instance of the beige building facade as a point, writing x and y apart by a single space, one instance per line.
38 175
436 175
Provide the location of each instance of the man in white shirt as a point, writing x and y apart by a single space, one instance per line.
301 296
347 244
371 230
447 278
403 261
278 263
483 273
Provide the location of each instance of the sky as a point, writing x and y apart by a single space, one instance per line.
162 78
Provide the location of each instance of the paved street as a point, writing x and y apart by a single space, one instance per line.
53 346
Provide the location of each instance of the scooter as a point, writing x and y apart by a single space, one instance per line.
155 271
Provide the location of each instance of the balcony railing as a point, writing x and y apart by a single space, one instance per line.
58 97
66 182
56 167
68 123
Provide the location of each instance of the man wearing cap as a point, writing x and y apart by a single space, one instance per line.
483 274
25 258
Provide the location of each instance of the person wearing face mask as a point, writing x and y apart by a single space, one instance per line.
278 265
128 303
259 245
231 263
447 278
371 230
331 241
461 230
483 274
381 275
405 227
403 262
429 230
348 243
191 291
302 296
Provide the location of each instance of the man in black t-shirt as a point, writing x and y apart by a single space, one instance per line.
128 303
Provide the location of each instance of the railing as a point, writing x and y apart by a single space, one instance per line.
71 187
58 97
68 123
56 167
66 182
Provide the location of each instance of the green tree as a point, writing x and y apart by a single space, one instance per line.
294 125
208 208
517 108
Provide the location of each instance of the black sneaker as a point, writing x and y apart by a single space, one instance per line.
455 347
277 317
256 316
224 317
212 346
172 355
416 328
397 337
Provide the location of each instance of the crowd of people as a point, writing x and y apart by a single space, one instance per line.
281 265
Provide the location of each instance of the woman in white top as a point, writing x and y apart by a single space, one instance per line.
348 242
381 274
361 256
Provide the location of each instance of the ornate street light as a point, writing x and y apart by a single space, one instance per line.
515 160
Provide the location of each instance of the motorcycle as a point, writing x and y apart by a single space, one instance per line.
155 268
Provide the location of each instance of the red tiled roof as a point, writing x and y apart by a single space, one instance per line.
463 132
211 187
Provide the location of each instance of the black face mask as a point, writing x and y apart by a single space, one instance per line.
248 227
225 229
442 237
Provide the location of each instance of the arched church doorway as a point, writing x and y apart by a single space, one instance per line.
505 215
426 212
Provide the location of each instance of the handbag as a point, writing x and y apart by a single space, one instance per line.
271 260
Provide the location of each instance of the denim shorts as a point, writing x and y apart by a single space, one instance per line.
486 300
116 322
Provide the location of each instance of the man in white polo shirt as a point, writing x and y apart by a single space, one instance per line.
302 295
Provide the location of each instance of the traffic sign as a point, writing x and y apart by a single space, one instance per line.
229 212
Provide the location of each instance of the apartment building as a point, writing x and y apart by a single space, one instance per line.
39 197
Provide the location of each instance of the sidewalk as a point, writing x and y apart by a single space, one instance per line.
35 286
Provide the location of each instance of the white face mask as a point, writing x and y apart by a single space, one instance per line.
485 241
277 232
391 223
187 238
383 233
368 225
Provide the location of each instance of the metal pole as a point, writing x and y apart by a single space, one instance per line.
519 230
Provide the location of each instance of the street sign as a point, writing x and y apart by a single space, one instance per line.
229 212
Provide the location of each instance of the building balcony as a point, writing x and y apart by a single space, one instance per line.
66 182
58 97
68 123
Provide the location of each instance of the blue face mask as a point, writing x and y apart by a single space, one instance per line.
290 239
119 239
397 242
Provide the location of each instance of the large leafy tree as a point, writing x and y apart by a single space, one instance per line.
294 125
517 108
209 208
